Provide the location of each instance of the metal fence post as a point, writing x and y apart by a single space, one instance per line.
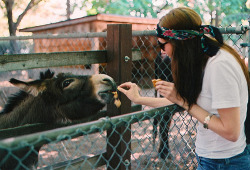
119 52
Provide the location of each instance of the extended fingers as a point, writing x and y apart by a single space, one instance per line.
121 89
125 85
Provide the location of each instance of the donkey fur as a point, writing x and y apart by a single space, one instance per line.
60 99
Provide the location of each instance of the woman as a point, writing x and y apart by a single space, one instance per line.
210 82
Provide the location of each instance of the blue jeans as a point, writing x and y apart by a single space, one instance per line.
241 161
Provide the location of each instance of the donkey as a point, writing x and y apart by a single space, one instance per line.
61 99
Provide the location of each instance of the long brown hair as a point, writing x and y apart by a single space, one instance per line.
189 60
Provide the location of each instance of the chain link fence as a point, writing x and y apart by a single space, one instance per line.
84 146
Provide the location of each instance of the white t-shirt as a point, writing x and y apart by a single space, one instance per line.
224 86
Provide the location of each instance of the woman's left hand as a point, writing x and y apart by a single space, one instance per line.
168 90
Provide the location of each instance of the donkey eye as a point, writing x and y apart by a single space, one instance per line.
66 83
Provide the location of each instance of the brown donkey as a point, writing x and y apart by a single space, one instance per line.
60 99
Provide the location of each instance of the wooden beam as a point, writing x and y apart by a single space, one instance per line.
119 50
45 60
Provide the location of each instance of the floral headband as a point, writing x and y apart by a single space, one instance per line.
164 33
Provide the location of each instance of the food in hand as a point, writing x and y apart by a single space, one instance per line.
155 80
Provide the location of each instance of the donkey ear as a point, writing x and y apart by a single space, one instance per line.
31 87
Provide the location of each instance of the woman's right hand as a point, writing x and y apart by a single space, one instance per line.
131 90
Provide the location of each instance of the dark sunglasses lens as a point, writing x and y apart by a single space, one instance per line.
162 45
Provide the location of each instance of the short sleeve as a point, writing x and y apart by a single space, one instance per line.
224 85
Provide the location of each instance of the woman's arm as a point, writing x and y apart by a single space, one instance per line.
226 125
153 102
131 90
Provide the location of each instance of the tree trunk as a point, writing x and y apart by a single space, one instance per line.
12 26
68 10
211 19
217 18
9 8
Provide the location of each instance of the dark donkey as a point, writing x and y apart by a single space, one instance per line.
61 99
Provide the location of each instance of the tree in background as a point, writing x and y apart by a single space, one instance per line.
68 11
10 6
218 12
221 12
139 8
71 5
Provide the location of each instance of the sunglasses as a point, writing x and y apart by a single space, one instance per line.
162 45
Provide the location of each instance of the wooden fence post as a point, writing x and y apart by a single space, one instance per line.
119 52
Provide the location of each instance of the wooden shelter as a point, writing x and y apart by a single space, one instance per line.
95 23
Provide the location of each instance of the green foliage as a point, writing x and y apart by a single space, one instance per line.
224 11
140 8
234 11
10 7
227 12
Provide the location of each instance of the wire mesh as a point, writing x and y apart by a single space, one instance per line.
79 143
172 148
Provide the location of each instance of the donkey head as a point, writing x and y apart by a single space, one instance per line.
65 97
